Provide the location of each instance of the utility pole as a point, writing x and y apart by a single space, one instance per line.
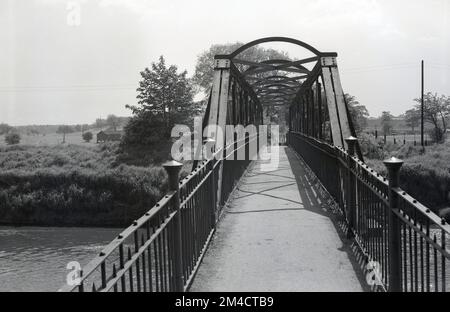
421 112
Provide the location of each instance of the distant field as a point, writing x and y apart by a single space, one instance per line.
53 139
409 138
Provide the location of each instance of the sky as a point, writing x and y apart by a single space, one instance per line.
70 62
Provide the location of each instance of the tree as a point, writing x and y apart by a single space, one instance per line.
358 112
436 110
204 68
84 127
165 98
88 136
12 138
5 128
112 121
100 123
386 122
412 118
64 130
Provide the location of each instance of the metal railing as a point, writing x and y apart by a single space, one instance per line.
162 250
404 242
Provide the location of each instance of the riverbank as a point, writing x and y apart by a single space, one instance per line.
72 185
424 175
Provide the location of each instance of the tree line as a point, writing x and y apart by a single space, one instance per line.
436 112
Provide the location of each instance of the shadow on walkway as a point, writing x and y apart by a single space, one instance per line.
278 234
309 190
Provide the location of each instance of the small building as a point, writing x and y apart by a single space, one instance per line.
109 136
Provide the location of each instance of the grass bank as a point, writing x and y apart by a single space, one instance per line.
425 176
72 185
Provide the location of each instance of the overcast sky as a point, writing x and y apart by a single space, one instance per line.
55 72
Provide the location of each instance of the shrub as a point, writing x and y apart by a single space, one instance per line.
5 128
437 135
12 138
88 136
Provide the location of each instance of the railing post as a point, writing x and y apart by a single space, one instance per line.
173 171
393 166
351 191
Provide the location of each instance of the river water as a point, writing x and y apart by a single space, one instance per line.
35 259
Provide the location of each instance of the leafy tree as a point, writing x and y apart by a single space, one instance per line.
84 127
112 121
204 68
165 98
64 130
386 122
358 112
88 136
436 110
12 138
412 118
100 123
5 128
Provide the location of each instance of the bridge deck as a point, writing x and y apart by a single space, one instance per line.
278 235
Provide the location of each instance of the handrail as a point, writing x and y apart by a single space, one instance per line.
381 215
142 257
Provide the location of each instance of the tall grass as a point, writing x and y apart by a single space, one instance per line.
74 185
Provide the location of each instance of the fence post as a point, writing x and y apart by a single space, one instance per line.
173 171
351 191
393 166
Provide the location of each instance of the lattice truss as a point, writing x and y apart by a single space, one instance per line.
309 89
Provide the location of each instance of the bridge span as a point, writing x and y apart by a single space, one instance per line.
279 233
279 230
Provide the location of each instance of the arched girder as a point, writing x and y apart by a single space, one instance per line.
284 65
279 39
277 92
286 81
287 78
277 86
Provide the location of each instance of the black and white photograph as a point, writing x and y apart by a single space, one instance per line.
224 153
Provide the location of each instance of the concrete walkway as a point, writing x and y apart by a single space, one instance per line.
277 235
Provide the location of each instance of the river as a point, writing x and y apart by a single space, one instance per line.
35 259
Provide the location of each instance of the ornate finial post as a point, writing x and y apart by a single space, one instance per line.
351 186
393 166
173 171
